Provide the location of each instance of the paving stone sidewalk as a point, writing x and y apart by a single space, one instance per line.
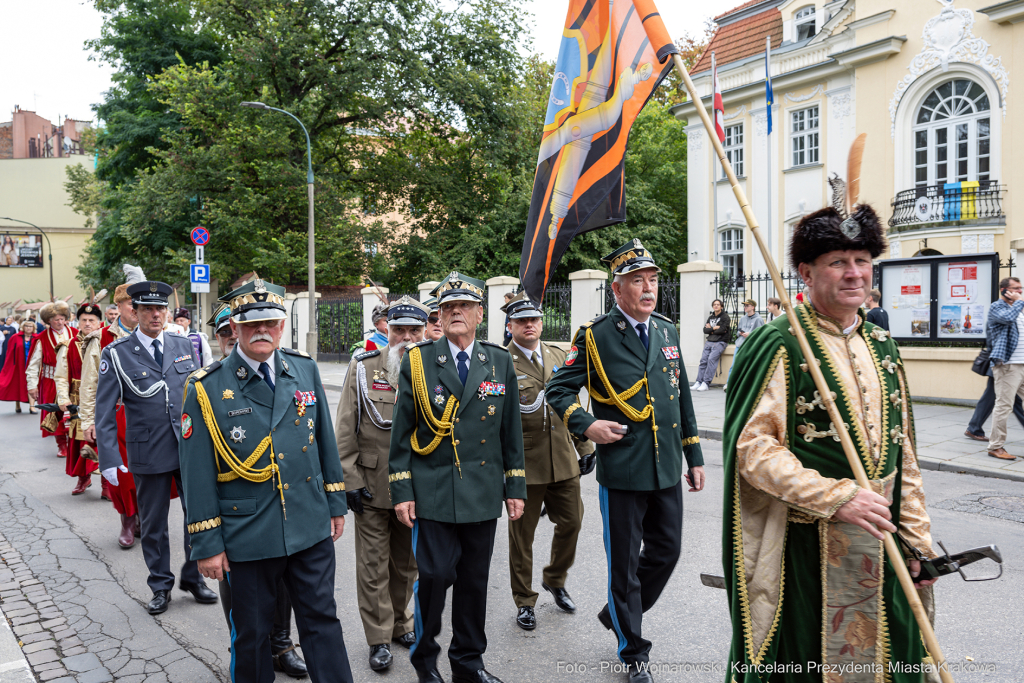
72 620
940 437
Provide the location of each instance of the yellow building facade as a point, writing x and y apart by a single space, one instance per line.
927 80
32 190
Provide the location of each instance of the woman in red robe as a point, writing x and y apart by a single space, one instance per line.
42 364
12 378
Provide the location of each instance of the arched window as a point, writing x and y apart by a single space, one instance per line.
952 136
803 19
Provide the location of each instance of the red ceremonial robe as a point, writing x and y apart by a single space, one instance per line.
75 465
47 389
13 385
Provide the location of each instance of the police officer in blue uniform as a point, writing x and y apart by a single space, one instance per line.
264 488
146 371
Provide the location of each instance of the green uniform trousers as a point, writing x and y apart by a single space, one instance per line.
565 509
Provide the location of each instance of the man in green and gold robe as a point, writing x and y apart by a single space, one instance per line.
811 593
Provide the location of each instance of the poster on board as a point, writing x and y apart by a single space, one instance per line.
920 322
21 251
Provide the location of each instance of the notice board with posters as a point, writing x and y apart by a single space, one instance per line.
939 298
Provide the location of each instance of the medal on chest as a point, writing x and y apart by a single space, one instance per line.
439 395
304 399
490 389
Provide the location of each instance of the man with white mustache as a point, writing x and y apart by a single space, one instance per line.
385 566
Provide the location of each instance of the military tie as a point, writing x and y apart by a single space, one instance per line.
642 329
463 366
265 371
158 355
536 362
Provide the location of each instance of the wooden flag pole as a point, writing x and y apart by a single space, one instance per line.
891 547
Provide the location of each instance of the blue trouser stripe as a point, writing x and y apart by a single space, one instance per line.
605 515
234 634
417 619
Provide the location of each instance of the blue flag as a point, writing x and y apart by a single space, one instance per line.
769 95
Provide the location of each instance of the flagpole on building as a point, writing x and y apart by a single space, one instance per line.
892 548
714 178
768 102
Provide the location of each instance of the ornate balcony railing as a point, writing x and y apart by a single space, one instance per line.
950 202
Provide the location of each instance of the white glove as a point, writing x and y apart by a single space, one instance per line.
111 474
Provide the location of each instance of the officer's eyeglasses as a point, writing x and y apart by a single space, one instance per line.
433 320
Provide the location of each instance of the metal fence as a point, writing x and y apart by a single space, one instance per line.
668 298
339 327
948 202
733 291
557 307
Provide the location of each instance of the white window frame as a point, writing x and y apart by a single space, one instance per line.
730 250
937 149
805 140
733 147
801 18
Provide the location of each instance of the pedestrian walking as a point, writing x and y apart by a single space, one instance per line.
876 315
264 490
644 426
1005 324
451 391
983 410
146 370
555 460
718 334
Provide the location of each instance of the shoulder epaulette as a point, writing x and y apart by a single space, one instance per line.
172 333
203 372
294 352
594 321
665 318
490 343
366 354
422 343
119 340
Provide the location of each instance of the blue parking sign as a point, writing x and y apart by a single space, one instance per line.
200 273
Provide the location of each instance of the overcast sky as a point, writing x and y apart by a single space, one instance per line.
47 68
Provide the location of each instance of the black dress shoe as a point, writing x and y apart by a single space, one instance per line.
478 676
605 617
431 676
561 597
158 605
200 591
289 662
407 640
526 619
640 675
380 657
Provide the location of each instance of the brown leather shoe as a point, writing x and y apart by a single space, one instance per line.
1001 454
126 539
977 437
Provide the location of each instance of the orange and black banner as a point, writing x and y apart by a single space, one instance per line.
612 57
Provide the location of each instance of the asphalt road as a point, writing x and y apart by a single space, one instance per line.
689 626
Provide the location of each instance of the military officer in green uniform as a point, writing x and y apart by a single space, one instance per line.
552 469
643 424
456 454
260 464
385 567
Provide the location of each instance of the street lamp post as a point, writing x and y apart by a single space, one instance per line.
49 249
311 336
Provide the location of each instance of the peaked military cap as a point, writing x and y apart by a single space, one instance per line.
431 303
89 309
407 311
150 293
220 319
458 287
256 300
520 306
629 257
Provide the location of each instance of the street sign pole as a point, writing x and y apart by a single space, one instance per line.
199 272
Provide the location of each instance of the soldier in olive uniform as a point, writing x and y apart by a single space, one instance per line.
643 424
385 566
266 505
456 453
552 469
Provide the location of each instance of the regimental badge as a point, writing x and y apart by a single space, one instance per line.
311 438
241 373
442 359
260 287
490 389
671 352
227 394
482 357
285 364
491 410
570 357
237 434
186 426
152 286
666 334
310 423
104 367
621 325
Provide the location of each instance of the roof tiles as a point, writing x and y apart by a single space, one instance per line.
742 39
